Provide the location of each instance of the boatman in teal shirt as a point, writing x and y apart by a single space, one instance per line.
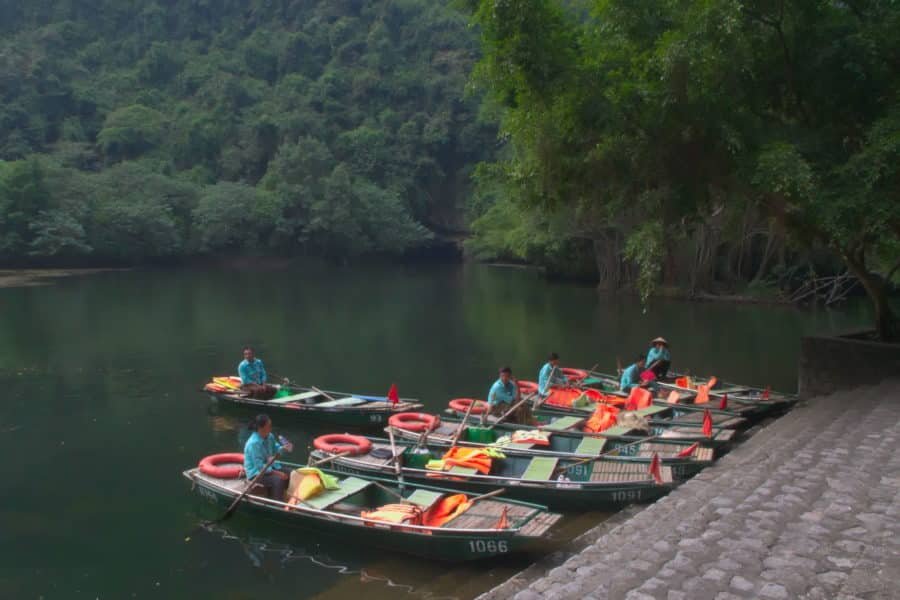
503 395
253 377
631 377
658 357
261 447
550 375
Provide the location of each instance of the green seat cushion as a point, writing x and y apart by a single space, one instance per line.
424 498
462 470
652 410
591 446
540 468
294 398
349 486
616 430
563 424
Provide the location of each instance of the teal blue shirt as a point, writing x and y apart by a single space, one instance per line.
653 355
631 377
545 380
500 393
252 372
257 452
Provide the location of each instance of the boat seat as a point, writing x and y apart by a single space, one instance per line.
458 470
651 410
341 402
424 498
563 424
540 468
617 430
294 398
591 446
520 445
349 486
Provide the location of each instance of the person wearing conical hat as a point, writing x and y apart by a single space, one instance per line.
658 357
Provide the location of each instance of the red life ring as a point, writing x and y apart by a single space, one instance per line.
335 443
416 422
215 465
574 374
528 387
462 405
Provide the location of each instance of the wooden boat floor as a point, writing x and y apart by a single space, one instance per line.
485 514
625 472
648 449
539 525
678 433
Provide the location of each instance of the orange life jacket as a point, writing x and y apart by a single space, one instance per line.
603 418
473 458
445 509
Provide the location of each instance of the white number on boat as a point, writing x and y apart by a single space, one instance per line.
209 495
626 495
376 418
482 546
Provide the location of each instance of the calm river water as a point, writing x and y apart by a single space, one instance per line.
101 410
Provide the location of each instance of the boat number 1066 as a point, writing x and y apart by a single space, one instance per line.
482 546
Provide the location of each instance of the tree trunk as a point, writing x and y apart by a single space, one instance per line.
886 324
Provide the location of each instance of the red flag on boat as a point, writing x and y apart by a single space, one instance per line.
766 393
655 469
503 522
393 396
707 423
723 402
689 450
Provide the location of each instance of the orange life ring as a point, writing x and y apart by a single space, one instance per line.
215 465
574 374
335 443
528 387
416 422
462 405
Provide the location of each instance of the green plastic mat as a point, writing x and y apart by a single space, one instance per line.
349 486
540 468
563 424
424 498
591 446
651 410
617 430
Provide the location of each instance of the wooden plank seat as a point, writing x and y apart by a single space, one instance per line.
349 486
563 424
617 430
651 410
458 470
540 468
591 446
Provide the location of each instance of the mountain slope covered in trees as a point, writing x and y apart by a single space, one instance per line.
151 130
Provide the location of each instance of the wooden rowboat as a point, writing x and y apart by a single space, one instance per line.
688 419
321 406
471 535
565 445
594 484
736 392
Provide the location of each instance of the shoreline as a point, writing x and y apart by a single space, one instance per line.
17 278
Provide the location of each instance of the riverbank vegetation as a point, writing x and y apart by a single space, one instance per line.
712 145
150 131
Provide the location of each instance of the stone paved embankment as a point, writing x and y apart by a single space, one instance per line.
809 507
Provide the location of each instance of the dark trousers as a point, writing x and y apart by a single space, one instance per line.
661 369
275 485
260 391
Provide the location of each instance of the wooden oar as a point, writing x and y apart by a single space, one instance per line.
322 461
252 484
326 394
488 495
397 470
462 423
509 412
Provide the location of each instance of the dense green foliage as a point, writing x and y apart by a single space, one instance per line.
154 129
698 138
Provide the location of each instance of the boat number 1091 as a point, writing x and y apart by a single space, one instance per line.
482 546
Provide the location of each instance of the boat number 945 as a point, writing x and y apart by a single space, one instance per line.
493 546
626 495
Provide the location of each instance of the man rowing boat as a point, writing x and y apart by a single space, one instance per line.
658 357
253 377
503 395
550 375
631 377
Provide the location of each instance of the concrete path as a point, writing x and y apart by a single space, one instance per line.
809 507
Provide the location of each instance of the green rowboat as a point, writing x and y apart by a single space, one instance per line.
471 535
